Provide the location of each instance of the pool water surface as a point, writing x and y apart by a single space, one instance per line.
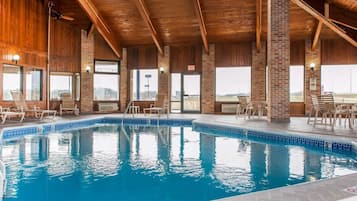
132 163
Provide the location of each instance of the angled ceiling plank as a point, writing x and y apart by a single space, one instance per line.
326 21
144 12
101 25
344 24
199 15
258 28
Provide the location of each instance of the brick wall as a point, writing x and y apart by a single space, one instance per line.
123 81
87 59
258 72
164 78
278 44
208 80
312 57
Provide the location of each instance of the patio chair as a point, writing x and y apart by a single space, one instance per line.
242 105
68 104
160 106
5 113
22 106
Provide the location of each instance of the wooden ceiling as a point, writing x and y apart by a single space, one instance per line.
176 22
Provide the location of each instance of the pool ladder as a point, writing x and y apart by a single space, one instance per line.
2 179
130 105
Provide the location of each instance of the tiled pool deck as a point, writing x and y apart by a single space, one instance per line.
324 190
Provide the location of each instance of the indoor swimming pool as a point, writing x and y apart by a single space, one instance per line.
147 162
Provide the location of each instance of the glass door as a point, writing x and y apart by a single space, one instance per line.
191 100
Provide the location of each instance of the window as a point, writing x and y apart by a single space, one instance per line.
12 80
296 83
34 85
60 84
145 84
232 82
175 92
106 80
341 80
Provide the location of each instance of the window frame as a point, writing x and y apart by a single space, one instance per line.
334 93
234 67
30 69
303 84
69 74
132 89
107 73
21 79
100 72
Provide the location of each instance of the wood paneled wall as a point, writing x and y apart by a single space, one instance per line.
182 56
233 55
102 50
297 52
65 47
142 57
337 51
23 26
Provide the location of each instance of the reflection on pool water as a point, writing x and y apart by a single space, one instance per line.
149 163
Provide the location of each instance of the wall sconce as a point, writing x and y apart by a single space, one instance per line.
162 70
88 69
312 66
16 58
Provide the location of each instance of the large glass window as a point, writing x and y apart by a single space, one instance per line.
296 83
12 80
106 80
232 82
341 80
60 84
145 84
34 85
176 92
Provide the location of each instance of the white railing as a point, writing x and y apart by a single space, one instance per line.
2 179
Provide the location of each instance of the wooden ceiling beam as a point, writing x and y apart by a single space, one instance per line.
319 26
101 25
258 27
326 21
144 12
201 21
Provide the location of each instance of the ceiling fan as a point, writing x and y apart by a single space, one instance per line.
56 14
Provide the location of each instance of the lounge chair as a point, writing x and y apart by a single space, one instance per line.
68 104
159 107
5 113
21 106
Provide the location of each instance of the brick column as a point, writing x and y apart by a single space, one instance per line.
124 81
208 80
164 78
258 72
87 59
278 44
312 57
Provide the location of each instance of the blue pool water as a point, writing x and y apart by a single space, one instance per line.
111 162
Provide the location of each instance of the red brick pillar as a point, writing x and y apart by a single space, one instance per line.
258 72
312 56
164 78
87 59
278 44
208 80
124 81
